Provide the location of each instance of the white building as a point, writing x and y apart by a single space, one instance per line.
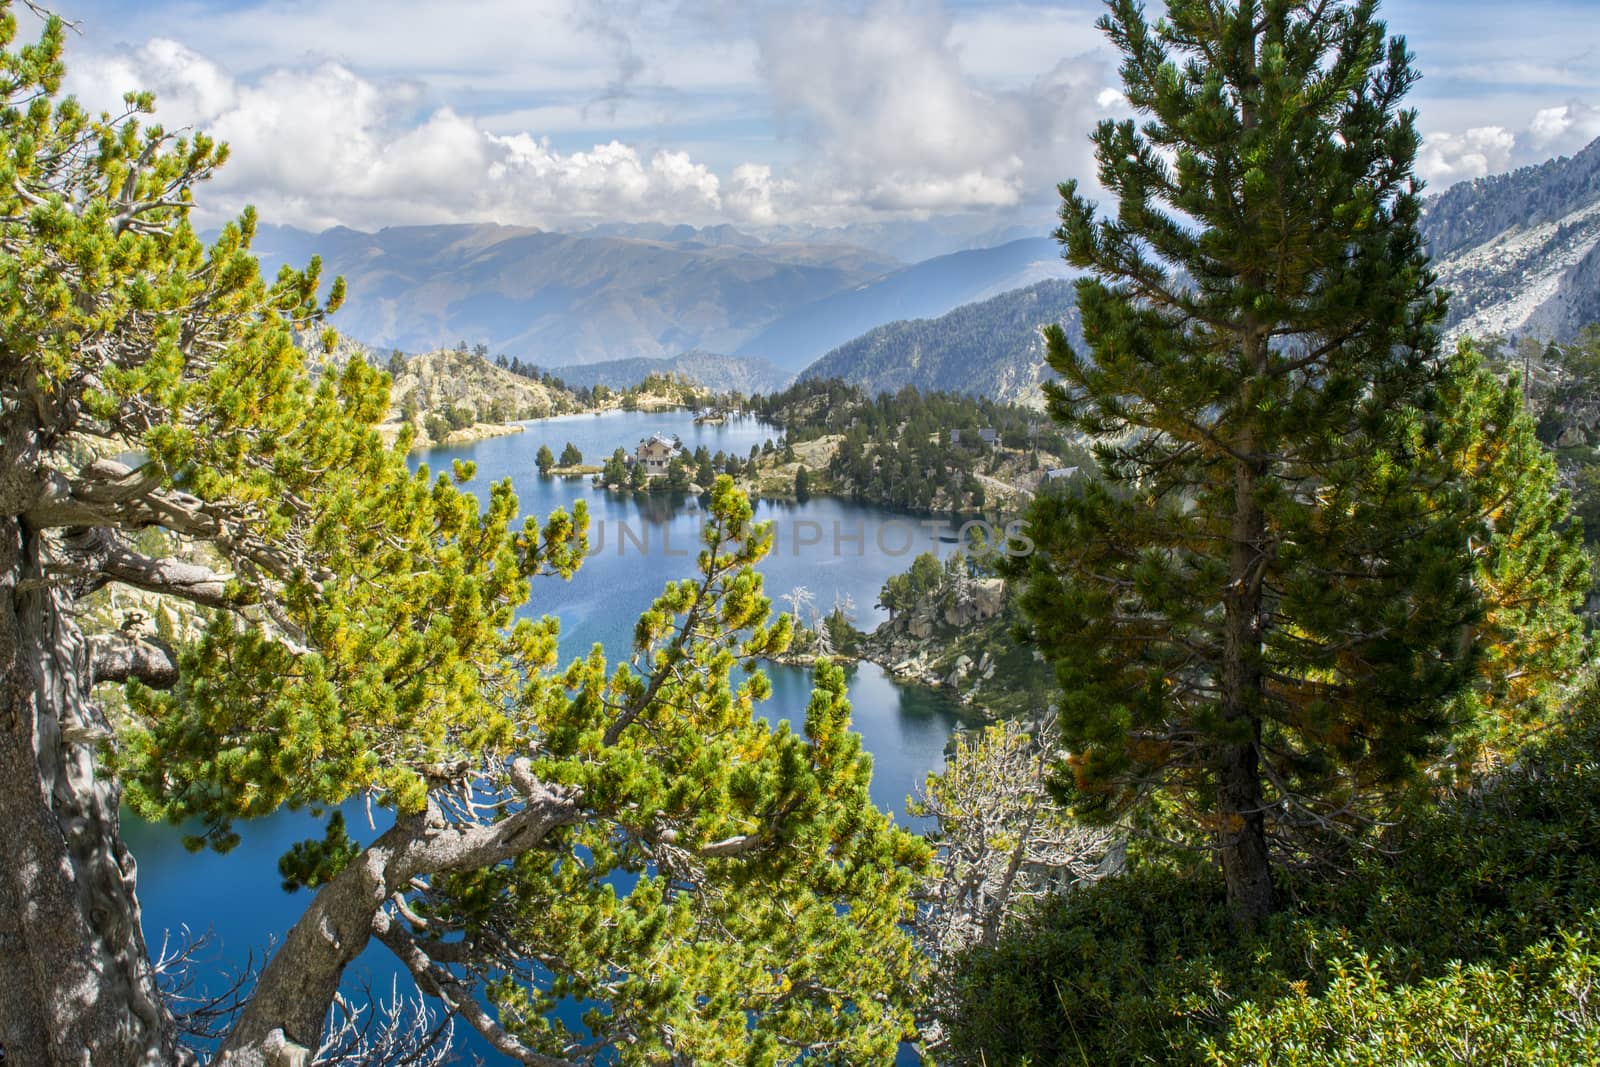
657 453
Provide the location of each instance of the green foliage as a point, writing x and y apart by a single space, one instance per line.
901 592
796 931
926 579
895 449
570 456
615 471
1530 572
843 638
1533 1010
1478 912
545 459
770 894
311 863
677 475
802 484
1571 399
410 633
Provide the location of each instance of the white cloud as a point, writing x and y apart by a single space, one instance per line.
1448 158
884 114
544 111
750 194
1556 130
324 145
1565 128
1006 44
898 123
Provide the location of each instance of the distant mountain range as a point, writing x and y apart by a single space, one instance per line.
992 348
558 298
629 291
1520 254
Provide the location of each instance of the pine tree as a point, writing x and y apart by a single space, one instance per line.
570 456
359 638
677 475
545 459
1531 571
616 469
1264 608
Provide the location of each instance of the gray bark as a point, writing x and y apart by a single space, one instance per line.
114 658
77 986
297 986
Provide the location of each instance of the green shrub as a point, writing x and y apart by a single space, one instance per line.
1537 1009
1479 912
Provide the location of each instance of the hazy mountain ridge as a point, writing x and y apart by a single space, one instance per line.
991 348
717 372
557 299
1520 252
921 291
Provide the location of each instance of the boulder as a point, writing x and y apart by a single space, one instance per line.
963 667
988 597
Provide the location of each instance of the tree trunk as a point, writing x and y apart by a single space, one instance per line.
1246 863
76 983
291 998
1242 837
1241 814
295 990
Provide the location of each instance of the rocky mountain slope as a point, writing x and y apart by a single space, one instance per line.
1520 252
444 378
991 348
449 395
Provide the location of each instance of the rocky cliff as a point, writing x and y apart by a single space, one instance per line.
1520 252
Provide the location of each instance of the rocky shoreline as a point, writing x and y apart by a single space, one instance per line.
921 646
945 644
390 432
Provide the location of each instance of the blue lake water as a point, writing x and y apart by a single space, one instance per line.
835 549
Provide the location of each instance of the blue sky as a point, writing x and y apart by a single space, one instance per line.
557 113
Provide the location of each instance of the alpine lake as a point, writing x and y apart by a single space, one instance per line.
833 548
